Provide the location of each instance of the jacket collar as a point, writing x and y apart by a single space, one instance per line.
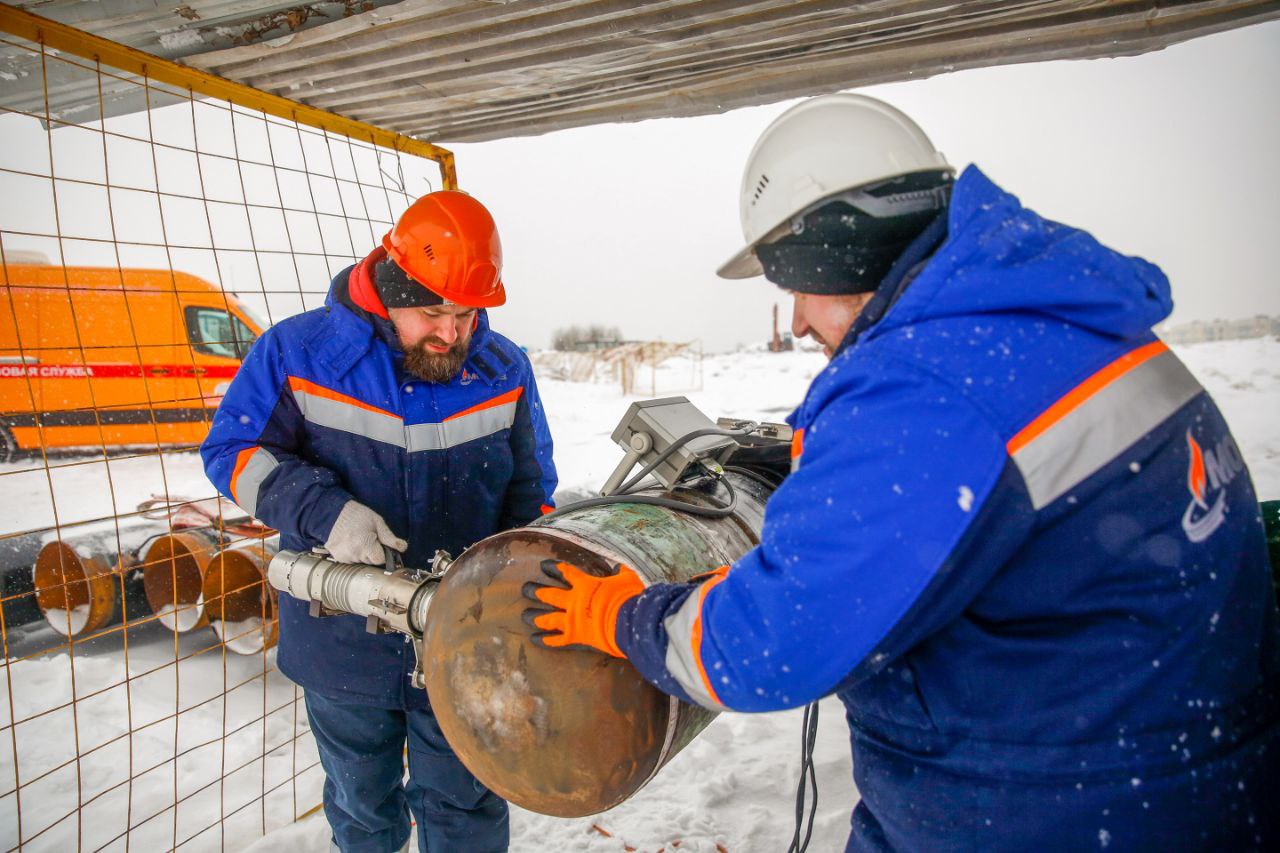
1001 258
896 281
994 256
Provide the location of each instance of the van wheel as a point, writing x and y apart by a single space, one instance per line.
8 444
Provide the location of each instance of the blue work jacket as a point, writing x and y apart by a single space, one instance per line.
322 411
1021 545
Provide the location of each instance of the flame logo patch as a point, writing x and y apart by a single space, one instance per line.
1209 472
1196 479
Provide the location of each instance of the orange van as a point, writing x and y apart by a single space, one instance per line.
103 357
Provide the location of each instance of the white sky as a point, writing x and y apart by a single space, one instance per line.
1173 155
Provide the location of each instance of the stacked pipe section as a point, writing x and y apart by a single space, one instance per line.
183 568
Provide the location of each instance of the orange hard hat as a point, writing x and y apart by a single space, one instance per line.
447 242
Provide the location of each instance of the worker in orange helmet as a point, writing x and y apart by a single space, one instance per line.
393 417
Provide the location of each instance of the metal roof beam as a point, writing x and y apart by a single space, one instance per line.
625 64
719 91
577 55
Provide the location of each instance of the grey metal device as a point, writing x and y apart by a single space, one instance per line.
650 427
764 432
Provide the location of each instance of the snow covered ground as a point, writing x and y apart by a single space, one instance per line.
732 789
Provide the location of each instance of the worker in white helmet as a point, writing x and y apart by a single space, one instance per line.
1018 540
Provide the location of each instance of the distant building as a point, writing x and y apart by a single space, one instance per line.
1221 330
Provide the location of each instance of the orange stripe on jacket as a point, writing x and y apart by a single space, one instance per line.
501 400
695 636
315 390
242 459
797 443
1082 392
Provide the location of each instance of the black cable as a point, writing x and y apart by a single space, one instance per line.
727 507
758 476
652 500
813 773
620 494
808 780
794 846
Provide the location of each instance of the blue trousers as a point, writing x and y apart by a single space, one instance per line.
366 799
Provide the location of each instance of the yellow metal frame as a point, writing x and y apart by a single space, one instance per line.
70 40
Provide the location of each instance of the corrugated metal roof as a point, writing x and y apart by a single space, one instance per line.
174 30
470 70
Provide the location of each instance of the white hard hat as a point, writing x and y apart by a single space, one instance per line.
818 148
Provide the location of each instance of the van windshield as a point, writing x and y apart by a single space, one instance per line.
213 331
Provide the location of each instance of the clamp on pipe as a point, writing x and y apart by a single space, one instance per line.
391 597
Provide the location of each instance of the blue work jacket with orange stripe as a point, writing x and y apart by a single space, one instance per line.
1020 544
323 412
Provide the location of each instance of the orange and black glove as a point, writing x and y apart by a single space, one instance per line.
575 609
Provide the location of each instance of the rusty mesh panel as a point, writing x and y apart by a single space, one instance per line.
139 256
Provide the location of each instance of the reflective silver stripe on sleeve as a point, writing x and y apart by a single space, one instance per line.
680 660
462 429
347 417
1102 426
261 463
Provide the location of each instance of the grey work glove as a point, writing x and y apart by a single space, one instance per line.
358 535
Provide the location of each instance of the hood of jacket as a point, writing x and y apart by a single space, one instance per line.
1000 257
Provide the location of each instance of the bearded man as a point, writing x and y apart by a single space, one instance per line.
391 417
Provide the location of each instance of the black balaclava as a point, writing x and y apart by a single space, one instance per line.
397 290
847 243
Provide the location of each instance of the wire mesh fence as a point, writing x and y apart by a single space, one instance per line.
141 254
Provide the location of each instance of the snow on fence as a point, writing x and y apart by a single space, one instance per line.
141 254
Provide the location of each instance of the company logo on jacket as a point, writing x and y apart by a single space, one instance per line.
1209 471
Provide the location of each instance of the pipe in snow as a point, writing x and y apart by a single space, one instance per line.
239 603
174 567
84 585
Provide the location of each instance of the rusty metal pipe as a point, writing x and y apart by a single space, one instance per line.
174 568
569 733
85 583
238 602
